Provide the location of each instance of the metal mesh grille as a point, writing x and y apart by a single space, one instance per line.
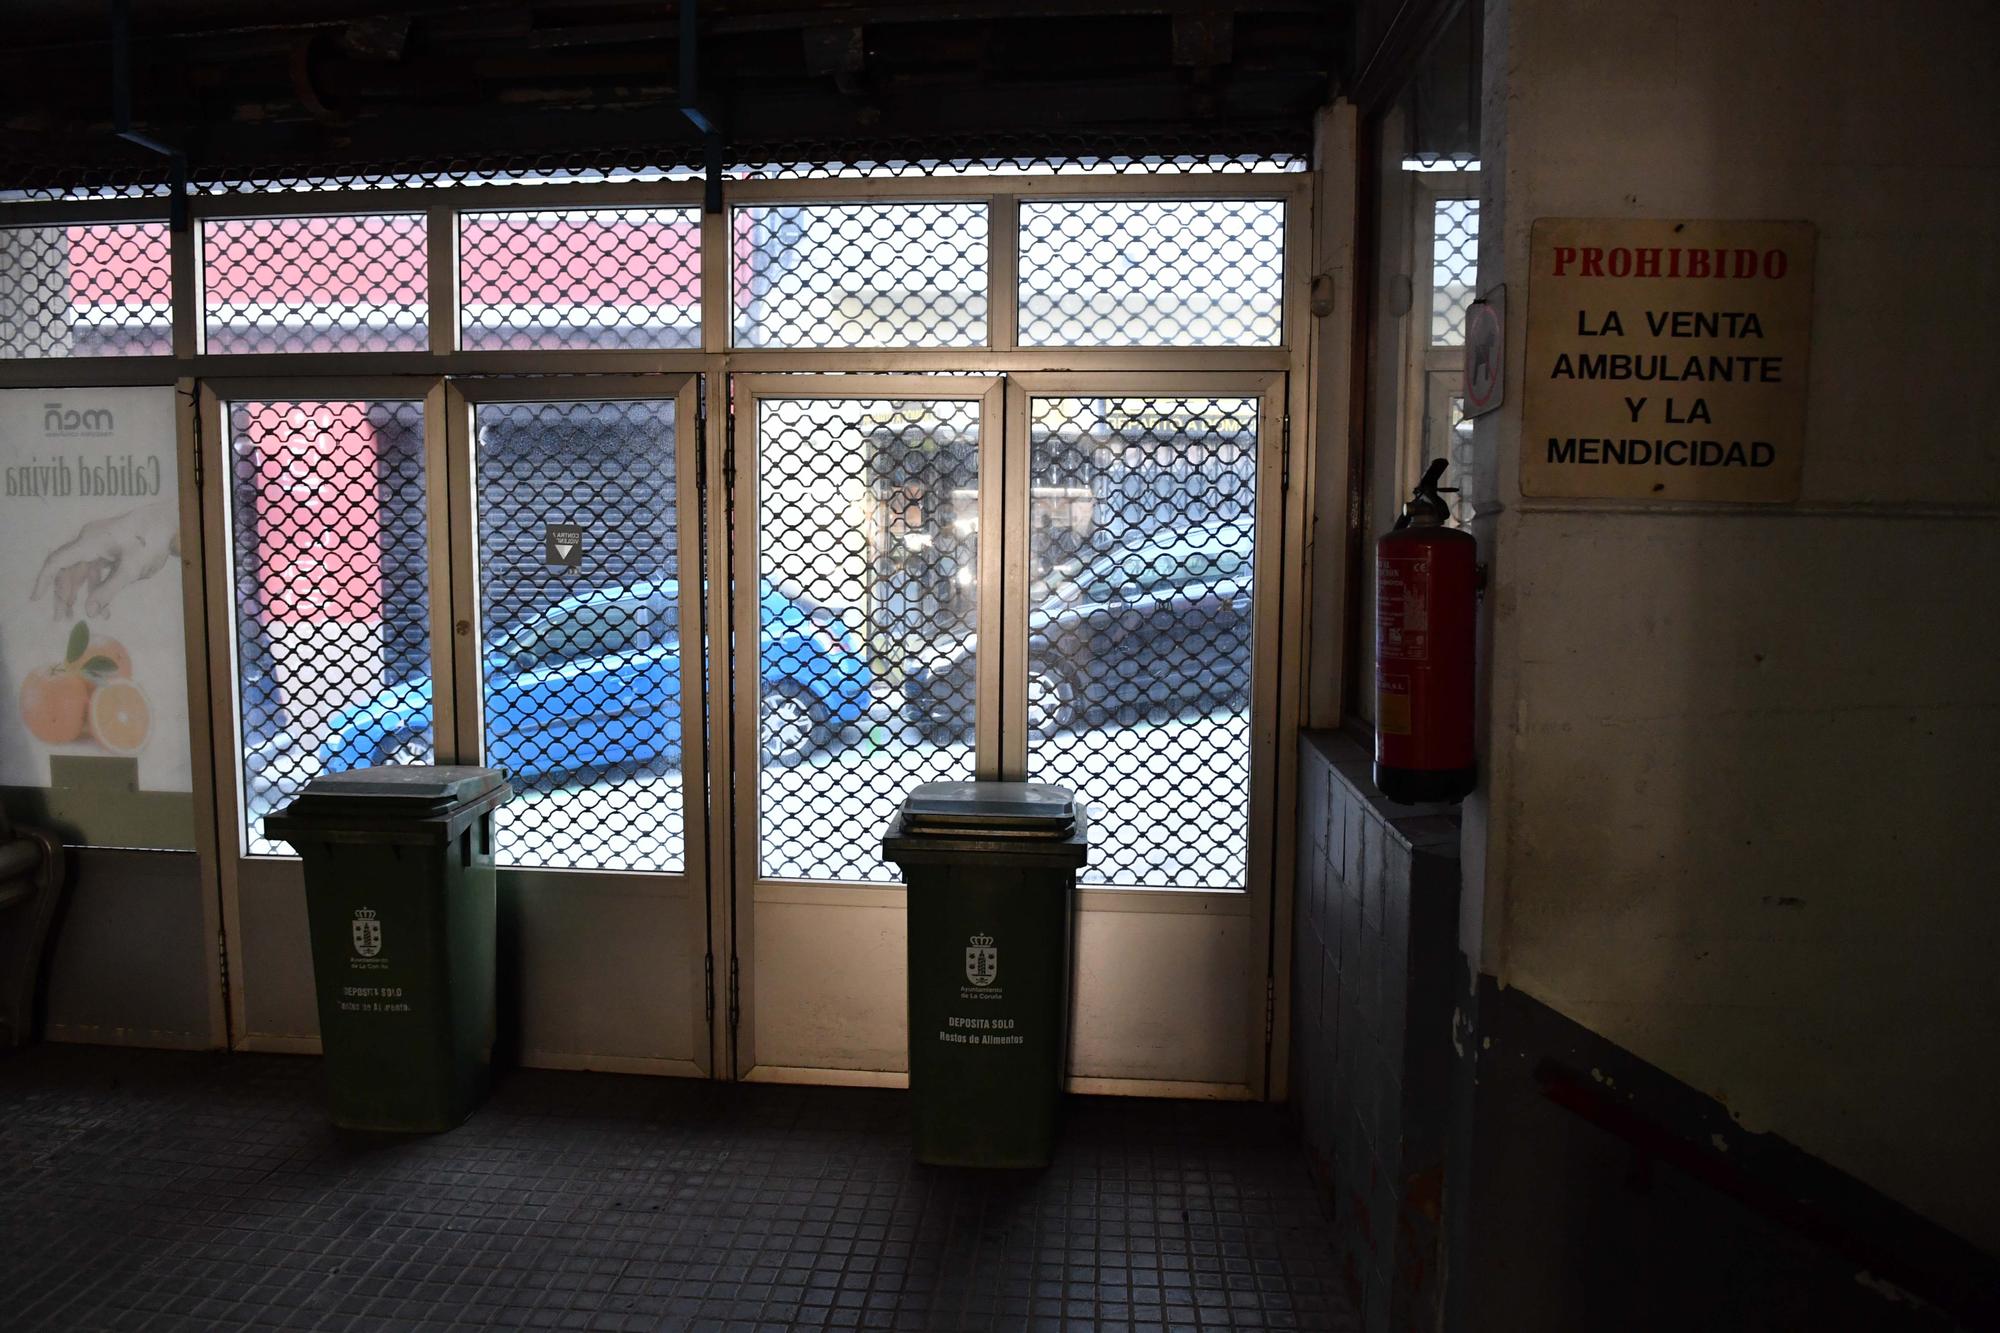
585 278
792 162
103 289
315 284
863 167
1209 152
1142 537
861 275
581 667
332 606
1454 268
868 591
1187 273
546 169
64 181
1440 162
1448 435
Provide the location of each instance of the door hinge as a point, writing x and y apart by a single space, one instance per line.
701 454
195 439
729 456
1285 455
708 989
1270 1009
735 1011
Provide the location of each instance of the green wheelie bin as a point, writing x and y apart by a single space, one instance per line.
399 901
990 875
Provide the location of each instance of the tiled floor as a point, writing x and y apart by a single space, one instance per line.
152 1190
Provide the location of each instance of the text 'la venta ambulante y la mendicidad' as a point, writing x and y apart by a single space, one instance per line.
1667 360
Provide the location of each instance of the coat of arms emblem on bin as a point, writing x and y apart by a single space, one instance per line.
982 960
367 933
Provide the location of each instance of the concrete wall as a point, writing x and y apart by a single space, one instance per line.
1737 810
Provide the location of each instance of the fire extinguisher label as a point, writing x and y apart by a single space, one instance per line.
1392 703
1402 614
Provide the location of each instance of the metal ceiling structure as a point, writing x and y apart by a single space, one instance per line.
243 88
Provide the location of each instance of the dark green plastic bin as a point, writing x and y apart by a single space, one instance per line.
399 899
990 870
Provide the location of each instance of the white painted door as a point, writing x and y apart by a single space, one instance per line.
329 637
577 623
391 557
1114 539
865 529
1142 583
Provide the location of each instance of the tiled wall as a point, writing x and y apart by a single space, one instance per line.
1375 976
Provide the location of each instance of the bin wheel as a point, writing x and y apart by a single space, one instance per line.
405 747
1051 701
792 723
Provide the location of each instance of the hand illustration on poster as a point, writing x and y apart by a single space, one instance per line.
92 654
107 555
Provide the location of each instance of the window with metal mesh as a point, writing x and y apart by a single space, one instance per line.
1448 162
1207 152
1167 273
861 275
1448 435
331 599
581 278
97 289
51 187
594 168
1454 268
868 595
315 284
581 609
869 166
1142 535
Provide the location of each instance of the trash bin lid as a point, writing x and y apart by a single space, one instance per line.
402 791
994 809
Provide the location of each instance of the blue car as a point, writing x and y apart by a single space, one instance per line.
593 682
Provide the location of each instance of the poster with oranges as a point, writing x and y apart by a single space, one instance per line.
92 652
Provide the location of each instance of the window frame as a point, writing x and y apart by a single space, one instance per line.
1425 363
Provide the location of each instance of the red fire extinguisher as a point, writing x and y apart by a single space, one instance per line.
1426 582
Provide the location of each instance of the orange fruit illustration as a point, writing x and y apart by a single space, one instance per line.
54 701
114 651
120 716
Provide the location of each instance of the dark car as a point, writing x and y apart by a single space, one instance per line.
1143 630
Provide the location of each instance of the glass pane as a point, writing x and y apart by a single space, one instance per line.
1172 273
581 689
1454 268
861 275
317 284
585 278
868 591
98 290
1142 517
1448 435
332 604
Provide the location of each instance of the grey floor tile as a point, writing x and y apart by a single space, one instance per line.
151 1190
